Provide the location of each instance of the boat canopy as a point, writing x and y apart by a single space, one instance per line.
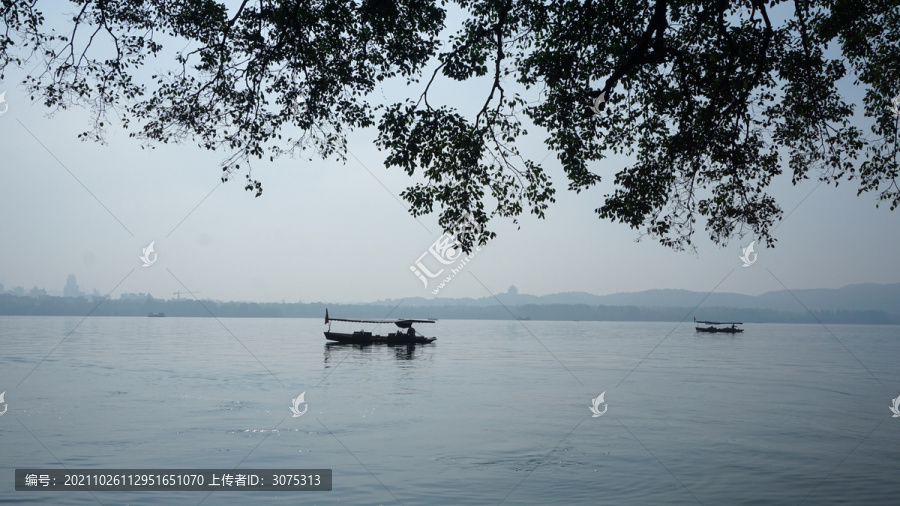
402 323
719 323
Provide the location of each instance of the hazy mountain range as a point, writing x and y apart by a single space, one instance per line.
859 297
852 304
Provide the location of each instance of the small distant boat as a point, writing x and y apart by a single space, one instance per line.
156 315
410 336
715 327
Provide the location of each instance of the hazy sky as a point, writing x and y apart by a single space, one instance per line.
328 231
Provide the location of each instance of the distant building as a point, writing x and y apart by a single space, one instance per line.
71 289
37 292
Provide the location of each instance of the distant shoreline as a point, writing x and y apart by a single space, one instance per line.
14 305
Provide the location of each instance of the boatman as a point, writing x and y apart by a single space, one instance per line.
411 333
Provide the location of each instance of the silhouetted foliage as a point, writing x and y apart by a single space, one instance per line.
711 99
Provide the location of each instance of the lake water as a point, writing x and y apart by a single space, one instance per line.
494 411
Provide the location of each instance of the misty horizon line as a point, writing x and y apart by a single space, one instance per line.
512 291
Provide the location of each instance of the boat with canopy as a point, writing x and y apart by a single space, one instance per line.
405 334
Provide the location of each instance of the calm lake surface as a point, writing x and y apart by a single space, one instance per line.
494 411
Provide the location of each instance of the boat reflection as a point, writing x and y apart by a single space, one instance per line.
341 351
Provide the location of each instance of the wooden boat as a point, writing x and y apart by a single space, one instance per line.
408 337
714 328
